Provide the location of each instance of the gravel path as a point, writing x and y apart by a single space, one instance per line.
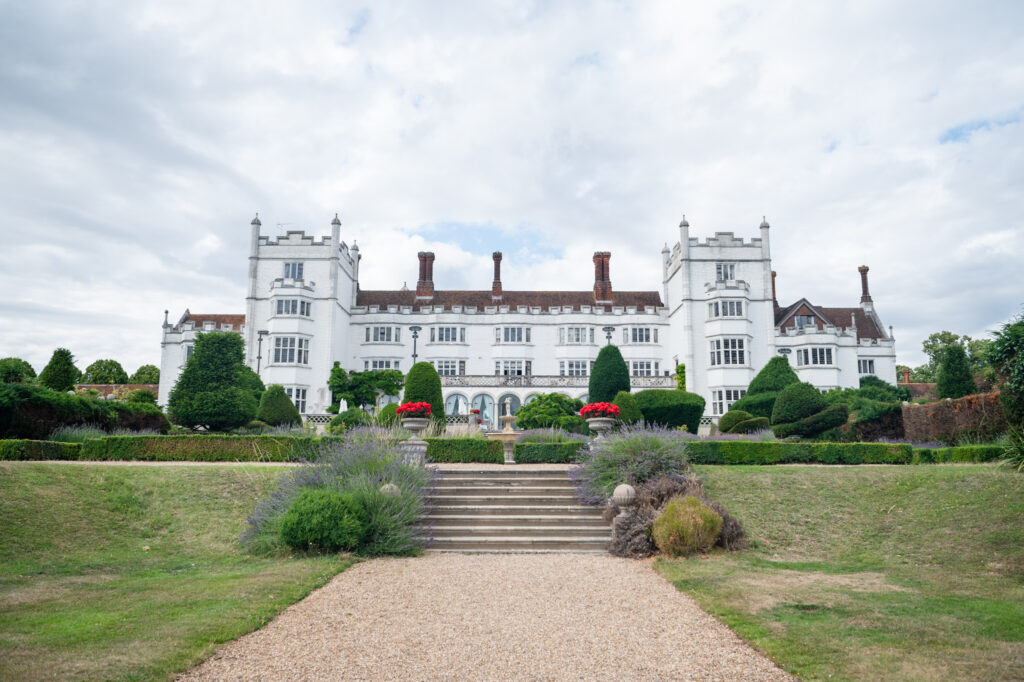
492 617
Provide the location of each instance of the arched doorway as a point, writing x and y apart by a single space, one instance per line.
485 404
456 405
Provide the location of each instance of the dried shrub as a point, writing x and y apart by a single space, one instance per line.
946 420
686 526
632 538
657 492
731 536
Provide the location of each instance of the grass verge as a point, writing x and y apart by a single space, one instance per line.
130 573
871 572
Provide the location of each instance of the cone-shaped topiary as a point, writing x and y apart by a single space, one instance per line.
774 376
211 391
797 401
686 526
629 413
731 419
610 376
276 408
423 385
954 380
60 374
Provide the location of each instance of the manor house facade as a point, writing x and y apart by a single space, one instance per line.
716 312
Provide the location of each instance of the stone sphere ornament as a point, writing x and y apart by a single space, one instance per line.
390 489
624 495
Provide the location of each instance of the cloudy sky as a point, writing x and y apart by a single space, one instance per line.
137 140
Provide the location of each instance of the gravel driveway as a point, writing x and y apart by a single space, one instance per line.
492 617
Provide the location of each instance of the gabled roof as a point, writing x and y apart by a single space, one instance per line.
513 299
837 317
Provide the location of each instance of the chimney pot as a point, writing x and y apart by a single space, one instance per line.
425 284
496 284
865 296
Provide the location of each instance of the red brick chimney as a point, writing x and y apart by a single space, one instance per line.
602 280
425 284
496 284
906 375
773 285
865 297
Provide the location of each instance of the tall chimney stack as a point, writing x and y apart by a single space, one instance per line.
425 284
773 286
602 279
865 297
496 284
906 375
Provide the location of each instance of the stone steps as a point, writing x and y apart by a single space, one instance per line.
517 510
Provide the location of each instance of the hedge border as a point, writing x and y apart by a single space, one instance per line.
547 453
464 450
776 452
967 453
39 450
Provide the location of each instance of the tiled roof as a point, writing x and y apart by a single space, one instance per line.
838 317
513 299
199 319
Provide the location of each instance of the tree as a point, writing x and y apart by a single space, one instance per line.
954 380
363 388
938 343
424 385
551 410
276 408
60 374
1007 354
146 374
250 381
610 375
15 371
214 391
105 372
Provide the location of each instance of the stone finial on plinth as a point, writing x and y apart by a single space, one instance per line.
625 497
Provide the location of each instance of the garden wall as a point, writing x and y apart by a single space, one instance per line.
978 415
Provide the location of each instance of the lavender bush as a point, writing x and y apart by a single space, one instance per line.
634 455
359 465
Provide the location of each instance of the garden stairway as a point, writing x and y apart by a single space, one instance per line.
513 510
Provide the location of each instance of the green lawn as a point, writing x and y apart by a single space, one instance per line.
133 572
871 572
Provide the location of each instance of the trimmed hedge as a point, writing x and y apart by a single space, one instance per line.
464 450
194 448
775 452
38 450
752 425
671 408
547 453
731 419
33 412
816 424
968 453
759 405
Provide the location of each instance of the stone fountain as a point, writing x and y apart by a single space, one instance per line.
507 436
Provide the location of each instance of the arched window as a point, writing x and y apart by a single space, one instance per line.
456 405
485 404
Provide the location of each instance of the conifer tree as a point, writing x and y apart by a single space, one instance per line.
213 390
610 376
60 374
276 408
954 380
423 385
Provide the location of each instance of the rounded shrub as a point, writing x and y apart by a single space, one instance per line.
759 405
323 519
671 408
731 419
276 408
686 526
388 415
815 425
610 376
773 377
797 401
629 413
423 385
752 425
348 420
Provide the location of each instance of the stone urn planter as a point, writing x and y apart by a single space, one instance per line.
600 425
416 425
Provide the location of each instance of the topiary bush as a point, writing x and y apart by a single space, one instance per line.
795 402
686 526
816 424
423 385
610 376
215 390
323 519
388 415
765 387
551 410
276 408
351 418
760 405
34 412
752 425
671 408
629 413
731 419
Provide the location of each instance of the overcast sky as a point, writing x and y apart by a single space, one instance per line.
137 141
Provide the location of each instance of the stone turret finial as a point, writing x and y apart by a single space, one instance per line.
256 220
355 246
336 221
665 249
683 222
764 222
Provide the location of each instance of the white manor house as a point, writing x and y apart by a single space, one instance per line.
715 311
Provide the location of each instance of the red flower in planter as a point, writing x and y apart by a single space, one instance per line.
599 410
420 410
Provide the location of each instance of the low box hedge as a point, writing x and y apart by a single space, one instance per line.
464 450
38 450
776 452
968 453
200 448
547 453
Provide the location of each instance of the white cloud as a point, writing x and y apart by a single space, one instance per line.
138 141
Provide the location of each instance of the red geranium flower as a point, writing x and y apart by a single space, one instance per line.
414 409
599 410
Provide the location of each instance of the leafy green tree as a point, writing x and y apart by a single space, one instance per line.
214 391
276 408
105 372
954 380
610 375
551 410
1007 354
362 388
935 347
60 374
15 371
146 374
250 381
629 413
681 376
423 385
